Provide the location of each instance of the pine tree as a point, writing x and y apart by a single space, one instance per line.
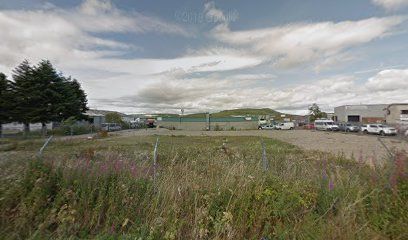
5 101
43 95
75 101
51 90
25 95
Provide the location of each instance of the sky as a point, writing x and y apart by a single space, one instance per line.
162 56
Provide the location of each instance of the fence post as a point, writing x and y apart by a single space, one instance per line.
265 163
155 162
44 146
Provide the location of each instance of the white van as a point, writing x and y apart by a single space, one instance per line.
285 126
326 125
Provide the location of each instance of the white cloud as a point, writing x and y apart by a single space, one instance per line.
67 33
213 93
389 80
94 7
41 34
320 44
295 44
66 38
391 4
265 76
202 79
103 16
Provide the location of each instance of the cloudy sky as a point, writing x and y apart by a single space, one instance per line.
160 56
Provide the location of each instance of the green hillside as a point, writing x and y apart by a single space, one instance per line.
247 112
241 112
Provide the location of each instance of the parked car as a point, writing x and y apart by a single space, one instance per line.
387 130
262 122
348 127
286 126
267 127
380 129
111 127
326 125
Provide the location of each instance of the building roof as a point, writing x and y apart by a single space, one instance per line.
91 114
398 104
352 105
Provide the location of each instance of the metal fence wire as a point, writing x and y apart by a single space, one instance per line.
265 162
155 154
40 152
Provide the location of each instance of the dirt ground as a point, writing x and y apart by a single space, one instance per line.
349 144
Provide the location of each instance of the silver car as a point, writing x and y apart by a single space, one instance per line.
348 127
267 127
111 127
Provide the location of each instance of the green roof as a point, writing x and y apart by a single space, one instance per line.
212 119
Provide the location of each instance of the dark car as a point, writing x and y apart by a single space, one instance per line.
348 127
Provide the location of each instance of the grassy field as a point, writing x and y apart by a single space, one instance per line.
205 188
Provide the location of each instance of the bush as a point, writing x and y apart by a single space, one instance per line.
217 128
103 134
76 129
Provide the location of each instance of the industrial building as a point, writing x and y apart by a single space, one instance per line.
373 113
224 123
95 117
397 113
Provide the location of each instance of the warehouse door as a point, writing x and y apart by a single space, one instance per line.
353 118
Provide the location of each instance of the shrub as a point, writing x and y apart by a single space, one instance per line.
217 128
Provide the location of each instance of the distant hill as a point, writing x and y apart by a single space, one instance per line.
102 112
253 112
165 114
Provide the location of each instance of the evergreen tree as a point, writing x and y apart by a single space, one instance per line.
52 92
75 101
43 95
5 101
25 95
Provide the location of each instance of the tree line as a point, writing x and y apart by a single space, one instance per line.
39 94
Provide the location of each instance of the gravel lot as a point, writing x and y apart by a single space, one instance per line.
348 144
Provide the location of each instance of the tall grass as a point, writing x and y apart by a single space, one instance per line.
206 188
